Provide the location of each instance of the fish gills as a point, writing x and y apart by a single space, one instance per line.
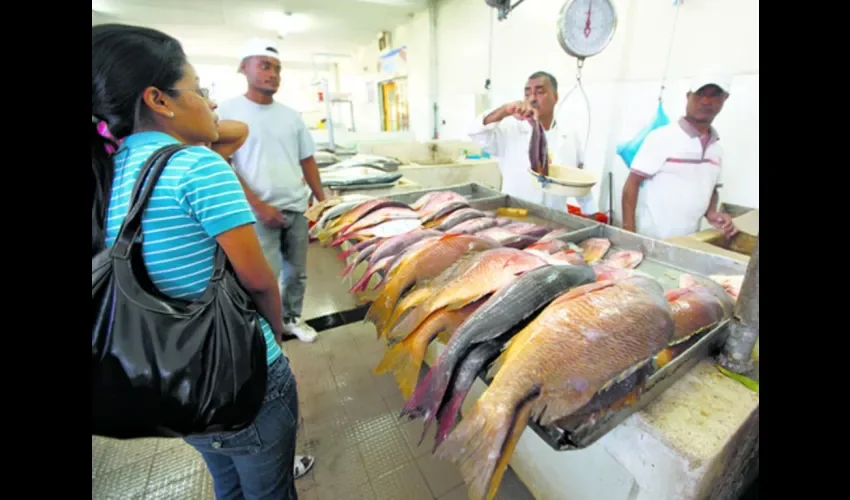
405 358
578 345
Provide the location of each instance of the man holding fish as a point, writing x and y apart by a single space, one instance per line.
277 171
506 133
678 169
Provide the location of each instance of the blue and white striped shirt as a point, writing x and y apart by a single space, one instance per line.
197 197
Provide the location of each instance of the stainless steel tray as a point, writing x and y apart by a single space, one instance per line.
472 191
361 187
666 263
663 261
488 200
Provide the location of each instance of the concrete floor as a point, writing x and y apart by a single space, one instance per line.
349 422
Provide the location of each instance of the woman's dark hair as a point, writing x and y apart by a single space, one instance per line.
125 60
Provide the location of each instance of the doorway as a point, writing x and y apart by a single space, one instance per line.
394 115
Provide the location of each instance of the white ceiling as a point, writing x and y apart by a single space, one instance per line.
214 30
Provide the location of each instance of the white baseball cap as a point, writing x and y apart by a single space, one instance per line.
259 47
701 81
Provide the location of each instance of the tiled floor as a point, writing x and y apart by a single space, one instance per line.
350 424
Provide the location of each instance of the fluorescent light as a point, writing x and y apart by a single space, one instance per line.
284 23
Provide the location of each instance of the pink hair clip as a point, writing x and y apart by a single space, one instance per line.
103 130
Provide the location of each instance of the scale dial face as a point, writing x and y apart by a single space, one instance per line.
585 27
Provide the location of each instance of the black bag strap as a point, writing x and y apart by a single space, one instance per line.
219 265
132 225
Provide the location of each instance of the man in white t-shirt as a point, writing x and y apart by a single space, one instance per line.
506 133
277 169
678 170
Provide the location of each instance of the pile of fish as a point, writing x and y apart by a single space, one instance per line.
385 163
566 330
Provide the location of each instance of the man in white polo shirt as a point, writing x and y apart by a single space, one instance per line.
678 169
277 169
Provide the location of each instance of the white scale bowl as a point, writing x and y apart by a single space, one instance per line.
565 181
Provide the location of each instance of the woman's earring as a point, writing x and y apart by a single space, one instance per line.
171 114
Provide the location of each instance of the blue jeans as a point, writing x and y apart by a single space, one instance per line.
285 250
258 461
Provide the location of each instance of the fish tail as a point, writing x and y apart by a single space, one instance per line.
324 236
405 360
369 296
347 270
345 253
448 416
363 282
413 409
406 326
342 238
484 441
398 360
382 275
390 319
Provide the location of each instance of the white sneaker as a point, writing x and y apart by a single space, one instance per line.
300 329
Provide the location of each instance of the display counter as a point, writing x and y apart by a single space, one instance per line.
695 436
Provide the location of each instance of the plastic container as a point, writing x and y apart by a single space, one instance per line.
512 212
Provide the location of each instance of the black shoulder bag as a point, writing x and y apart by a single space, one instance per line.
164 367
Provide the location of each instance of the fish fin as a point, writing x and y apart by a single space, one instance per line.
363 282
663 358
631 398
323 236
370 296
403 363
412 408
484 441
499 362
675 294
342 238
348 268
345 253
454 306
406 325
447 417
625 374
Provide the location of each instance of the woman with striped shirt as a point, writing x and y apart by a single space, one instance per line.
147 95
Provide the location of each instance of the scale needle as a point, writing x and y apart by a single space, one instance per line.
587 23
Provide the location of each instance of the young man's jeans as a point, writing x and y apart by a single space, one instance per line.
258 461
285 250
